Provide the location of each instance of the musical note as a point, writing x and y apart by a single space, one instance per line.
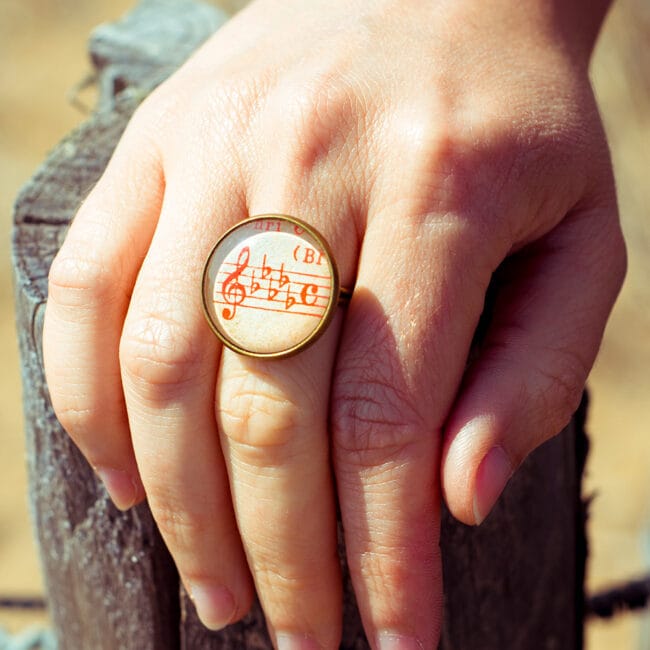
265 273
266 270
282 281
260 284
234 293
290 300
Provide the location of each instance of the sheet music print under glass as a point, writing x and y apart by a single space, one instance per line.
270 286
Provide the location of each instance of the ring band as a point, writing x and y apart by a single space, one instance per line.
271 286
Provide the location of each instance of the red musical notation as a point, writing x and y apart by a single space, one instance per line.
233 292
246 285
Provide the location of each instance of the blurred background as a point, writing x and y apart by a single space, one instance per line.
43 56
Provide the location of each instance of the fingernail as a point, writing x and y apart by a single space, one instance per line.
395 641
493 473
215 605
289 641
120 486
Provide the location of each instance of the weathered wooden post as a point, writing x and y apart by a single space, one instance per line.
514 583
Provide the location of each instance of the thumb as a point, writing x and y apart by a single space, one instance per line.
529 373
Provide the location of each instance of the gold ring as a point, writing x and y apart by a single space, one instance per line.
271 286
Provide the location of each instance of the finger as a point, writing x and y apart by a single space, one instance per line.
529 376
273 414
169 363
273 420
273 417
406 337
90 283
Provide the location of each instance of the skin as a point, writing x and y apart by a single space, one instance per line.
429 142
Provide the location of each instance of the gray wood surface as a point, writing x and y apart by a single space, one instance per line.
516 582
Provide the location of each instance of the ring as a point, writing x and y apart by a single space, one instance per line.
271 286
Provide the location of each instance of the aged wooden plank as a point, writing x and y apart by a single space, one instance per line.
111 583
516 582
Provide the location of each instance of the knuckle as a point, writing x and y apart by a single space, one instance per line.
436 153
374 566
454 184
294 568
547 381
564 384
256 415
282 578
235 99
157 112
82 279
431 142
191 528
226 111
373 416
400 565
321 101
89 270
318 113
77 420
159 350
181 528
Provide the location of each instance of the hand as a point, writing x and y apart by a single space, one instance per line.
428 142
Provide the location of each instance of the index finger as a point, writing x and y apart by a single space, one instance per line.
90 284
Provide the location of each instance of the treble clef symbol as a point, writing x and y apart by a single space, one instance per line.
234 292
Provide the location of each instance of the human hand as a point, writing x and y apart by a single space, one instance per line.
428 143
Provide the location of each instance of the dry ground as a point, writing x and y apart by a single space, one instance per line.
42 56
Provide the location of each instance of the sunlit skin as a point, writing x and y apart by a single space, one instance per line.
428 142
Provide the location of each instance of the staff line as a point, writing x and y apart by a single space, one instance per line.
279 311
319 294
260 268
